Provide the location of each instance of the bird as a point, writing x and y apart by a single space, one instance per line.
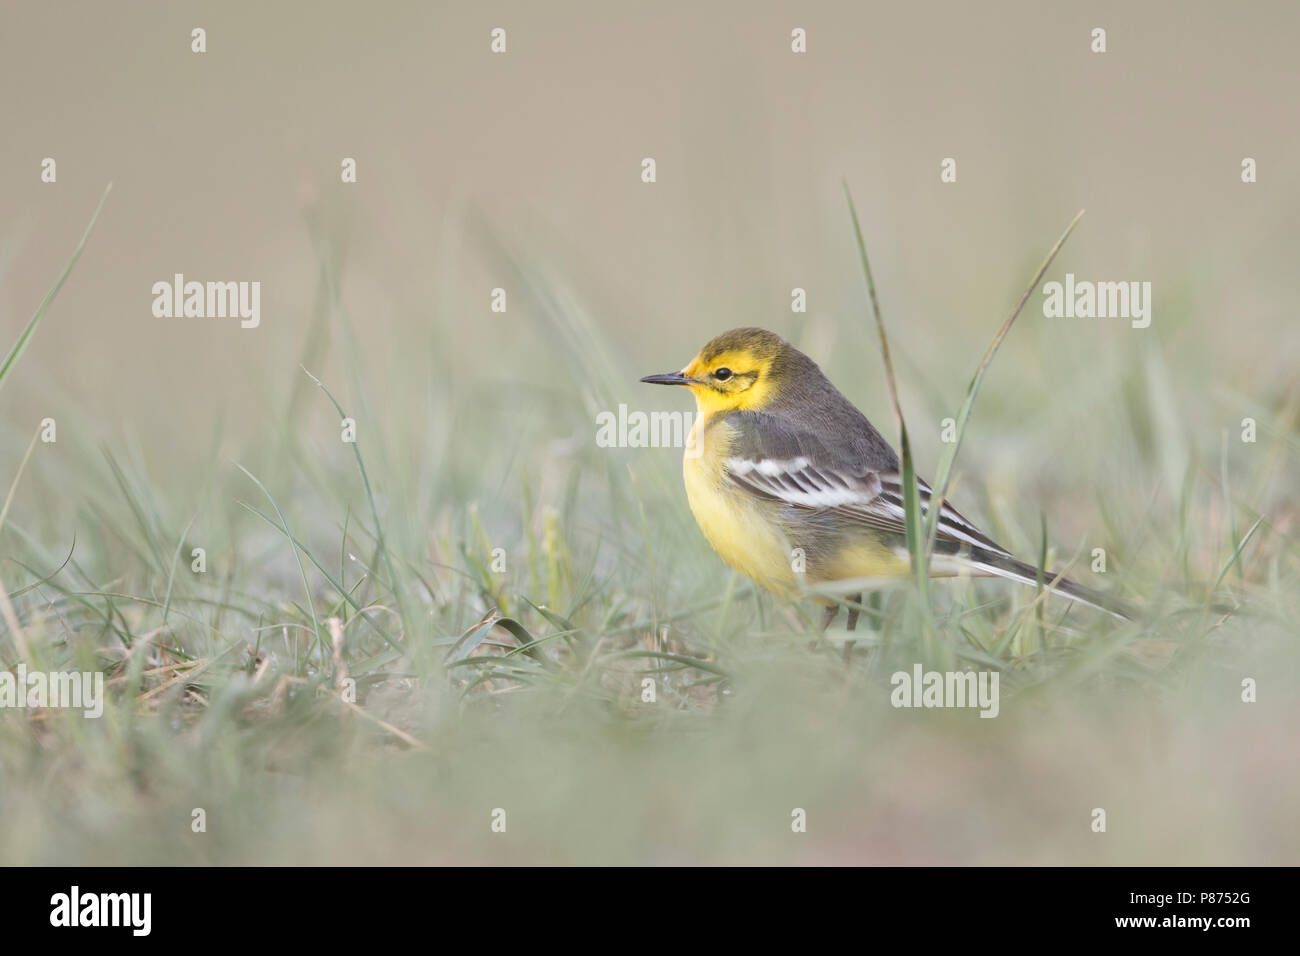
793 487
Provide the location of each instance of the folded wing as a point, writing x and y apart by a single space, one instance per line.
775 458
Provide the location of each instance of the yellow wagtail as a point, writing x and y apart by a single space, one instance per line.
793 486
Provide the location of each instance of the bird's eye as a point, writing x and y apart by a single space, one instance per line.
722 374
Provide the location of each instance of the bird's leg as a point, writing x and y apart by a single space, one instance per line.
853 611
853 623
828 616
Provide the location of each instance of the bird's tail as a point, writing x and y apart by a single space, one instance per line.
1005 566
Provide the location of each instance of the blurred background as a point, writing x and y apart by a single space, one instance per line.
523 171
220 160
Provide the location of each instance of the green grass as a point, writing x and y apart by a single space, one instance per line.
478 688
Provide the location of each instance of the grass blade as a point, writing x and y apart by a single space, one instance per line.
284 526
22 465
380 543
911 496
16 352
948 456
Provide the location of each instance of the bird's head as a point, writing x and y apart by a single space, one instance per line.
739 369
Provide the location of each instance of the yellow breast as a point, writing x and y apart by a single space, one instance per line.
738 526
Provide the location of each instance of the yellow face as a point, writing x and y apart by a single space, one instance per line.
736 379
738 370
